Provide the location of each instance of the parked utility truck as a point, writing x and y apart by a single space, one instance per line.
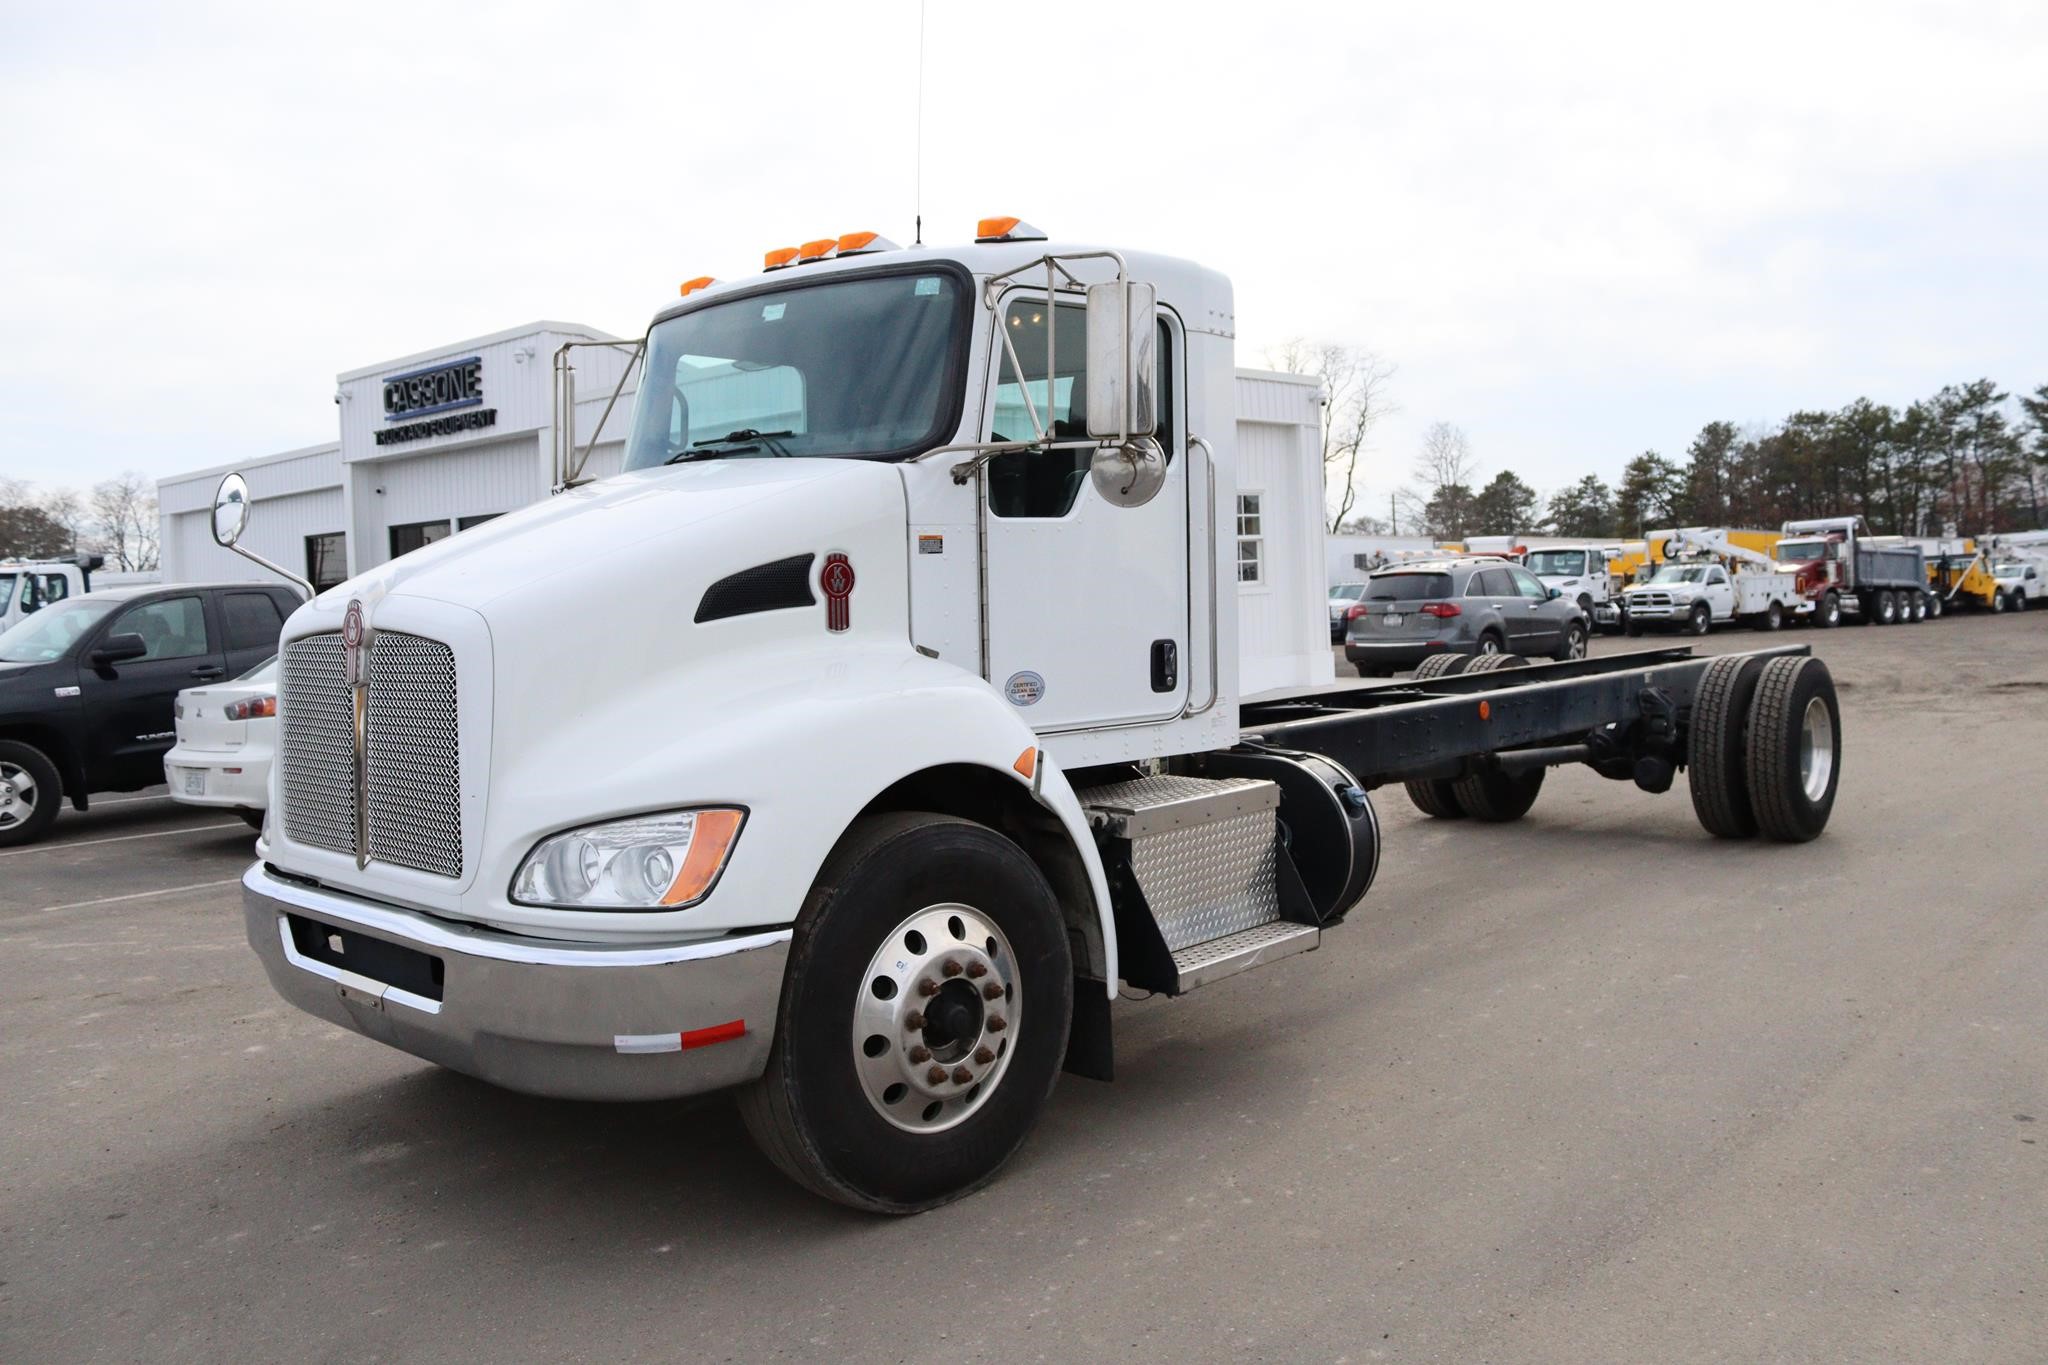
1708 578
925 727
27 586
1845 571
1582 572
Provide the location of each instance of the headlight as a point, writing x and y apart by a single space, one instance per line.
648 862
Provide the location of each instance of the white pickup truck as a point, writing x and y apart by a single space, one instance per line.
1695 596
2021 585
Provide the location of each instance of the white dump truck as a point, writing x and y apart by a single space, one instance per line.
974 666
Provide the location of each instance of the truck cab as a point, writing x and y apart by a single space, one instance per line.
1579 572
27 586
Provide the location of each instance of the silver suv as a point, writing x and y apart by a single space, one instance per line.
1460 606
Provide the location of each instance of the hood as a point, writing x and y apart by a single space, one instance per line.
624 526
26 672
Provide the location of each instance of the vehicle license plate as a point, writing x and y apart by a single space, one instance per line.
195 781
1392 618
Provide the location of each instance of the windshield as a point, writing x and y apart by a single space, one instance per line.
1798 551
1557 563
1410 587
867 365
1676 573
52 631
1350 592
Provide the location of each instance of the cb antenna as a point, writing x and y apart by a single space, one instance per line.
917 177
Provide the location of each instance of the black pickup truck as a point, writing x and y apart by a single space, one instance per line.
87 687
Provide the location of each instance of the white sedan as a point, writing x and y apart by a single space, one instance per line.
227 733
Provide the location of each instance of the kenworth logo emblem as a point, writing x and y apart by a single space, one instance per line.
355 654
837 581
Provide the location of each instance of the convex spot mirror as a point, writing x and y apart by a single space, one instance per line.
1122 341
230 510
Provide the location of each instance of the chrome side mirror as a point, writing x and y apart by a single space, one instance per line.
230 511
1129 475
1122 359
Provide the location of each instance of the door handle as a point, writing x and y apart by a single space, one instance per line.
207 672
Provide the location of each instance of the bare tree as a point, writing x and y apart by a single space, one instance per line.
1354 399
67 509
123 512
1440 499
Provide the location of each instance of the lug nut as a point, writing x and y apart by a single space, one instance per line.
977 969
914 1021
961 1075
920 1054
992 991
982 1056
936 1076
951 968
927 987
998 1024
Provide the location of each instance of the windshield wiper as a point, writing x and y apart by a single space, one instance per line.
746 438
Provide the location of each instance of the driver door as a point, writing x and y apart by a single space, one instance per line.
128 705
1087 602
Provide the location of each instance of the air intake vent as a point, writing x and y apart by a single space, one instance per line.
775 586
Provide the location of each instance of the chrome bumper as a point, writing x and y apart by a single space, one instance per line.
574 1021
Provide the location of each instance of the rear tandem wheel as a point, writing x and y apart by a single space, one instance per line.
1435 796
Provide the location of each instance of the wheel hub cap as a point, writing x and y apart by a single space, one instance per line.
936 1018
1816 749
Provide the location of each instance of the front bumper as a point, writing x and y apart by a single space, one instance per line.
573 1021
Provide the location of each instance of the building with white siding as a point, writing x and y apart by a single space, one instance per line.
426 444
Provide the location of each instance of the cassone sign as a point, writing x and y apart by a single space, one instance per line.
443 387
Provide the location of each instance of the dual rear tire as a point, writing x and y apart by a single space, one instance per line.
1490 795
1763 754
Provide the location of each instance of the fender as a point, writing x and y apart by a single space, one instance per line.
817 738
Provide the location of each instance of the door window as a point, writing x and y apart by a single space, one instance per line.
252 620
174 628
1529 585
1047 483
1490 583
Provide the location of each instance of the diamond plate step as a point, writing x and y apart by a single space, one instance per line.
1198 964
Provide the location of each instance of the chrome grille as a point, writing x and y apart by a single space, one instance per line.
415 760
316 740
413 768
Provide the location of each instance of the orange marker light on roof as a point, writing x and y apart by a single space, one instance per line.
692 286
1006 230
778 258
861 243
820 250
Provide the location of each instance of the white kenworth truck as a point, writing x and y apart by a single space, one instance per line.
924 728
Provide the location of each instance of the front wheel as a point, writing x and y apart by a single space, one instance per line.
30 792
1934 606
924 1016
1700 620
1998 603
1828 614
1575 642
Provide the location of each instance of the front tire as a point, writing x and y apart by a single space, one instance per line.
1700 620
930 949
1828 614
1575 643
30 793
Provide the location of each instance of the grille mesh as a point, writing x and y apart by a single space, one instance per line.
317 740
414 762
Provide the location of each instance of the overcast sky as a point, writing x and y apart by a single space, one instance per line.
1579 231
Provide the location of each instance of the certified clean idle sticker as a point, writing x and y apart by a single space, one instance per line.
1024 689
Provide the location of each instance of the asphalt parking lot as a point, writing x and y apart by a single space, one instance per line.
1588 1087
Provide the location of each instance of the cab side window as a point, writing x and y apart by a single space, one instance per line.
1047 483
174 628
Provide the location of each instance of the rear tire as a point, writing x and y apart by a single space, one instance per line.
1435 797
30 793
1935 607
1717 746
1794 749
815 1112
1773 617
1491 795
1490 643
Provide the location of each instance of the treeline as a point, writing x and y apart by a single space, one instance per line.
115 518
1966 459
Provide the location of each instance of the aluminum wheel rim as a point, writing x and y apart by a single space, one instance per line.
1816 749
935 1021
1487 645
17 795
1577 646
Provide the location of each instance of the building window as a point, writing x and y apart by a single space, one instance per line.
1251 539
326 560
464 523
415 535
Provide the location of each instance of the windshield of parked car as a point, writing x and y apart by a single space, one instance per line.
52 631
1409 587
1557 563
1680 573
1349 592
1798 551
863 365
